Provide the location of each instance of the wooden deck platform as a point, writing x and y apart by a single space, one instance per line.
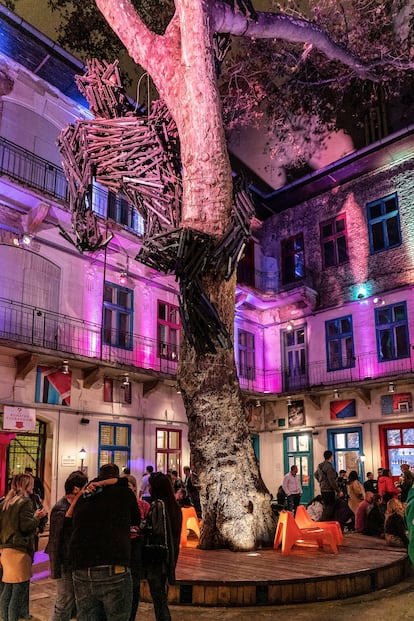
308 574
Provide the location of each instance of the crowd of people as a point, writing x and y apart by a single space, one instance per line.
376 507
105 535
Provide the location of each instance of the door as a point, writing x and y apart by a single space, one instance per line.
347 447
297 451
295 372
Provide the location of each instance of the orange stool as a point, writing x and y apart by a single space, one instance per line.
190 522
288 534
304 520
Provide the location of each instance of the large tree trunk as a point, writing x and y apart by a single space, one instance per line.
236 505
235 502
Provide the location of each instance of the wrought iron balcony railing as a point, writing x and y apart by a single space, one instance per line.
29 325
31 170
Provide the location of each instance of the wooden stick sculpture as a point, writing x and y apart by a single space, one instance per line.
140 157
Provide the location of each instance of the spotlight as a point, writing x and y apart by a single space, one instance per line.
123 277
362 292
64 367
26 239
391 387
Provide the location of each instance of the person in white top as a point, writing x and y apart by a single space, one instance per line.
144 492
293 489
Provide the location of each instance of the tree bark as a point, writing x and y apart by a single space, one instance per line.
235 502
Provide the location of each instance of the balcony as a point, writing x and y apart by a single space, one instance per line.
41 175
46 332
314 377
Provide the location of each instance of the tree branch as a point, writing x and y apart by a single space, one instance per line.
279 26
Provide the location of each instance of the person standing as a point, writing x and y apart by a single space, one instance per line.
136 537
327 479
292 488
371 484
356 491
406 481
18 524
342 484
144 492
386 487
100 547
164 521
58 549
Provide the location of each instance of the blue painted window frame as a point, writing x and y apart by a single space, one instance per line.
346 360
383 218
118 308
112 448
396 327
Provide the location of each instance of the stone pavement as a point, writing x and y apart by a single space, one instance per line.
393 604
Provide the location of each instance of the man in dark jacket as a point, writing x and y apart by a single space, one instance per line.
58 549
329 486
101 549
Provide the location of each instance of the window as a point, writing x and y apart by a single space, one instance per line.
117 316
168 456
116 392
384 224
293 259
168 331
107 204
247 367
333 240
392 332
295 372
114 444
339 344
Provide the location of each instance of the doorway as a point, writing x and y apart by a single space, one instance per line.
297 451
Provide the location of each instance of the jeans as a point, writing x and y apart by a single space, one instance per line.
157 585
293 501
65 598
13 599
101 594
328 501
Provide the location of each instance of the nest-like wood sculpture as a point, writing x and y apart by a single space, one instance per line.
140 157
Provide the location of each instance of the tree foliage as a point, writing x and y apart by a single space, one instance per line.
290 84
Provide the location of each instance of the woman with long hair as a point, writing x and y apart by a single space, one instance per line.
18 524
164 527
395 526
356 491
386 487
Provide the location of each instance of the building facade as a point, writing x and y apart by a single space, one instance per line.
89 343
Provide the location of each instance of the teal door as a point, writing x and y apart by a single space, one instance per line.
347 448
297 450
256 445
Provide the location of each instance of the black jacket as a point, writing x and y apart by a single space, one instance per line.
60 531
101 528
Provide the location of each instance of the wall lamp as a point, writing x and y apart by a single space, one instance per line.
336 394
64 367
289 401
391 387
258 403
123 277
82 455
25 239
125 381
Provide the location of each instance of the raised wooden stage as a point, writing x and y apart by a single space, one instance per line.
223 578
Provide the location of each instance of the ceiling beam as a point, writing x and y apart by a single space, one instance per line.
25 364
365 395
90 376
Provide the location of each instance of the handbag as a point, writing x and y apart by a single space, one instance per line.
155 551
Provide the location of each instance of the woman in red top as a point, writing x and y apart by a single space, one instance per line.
386 487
